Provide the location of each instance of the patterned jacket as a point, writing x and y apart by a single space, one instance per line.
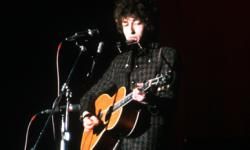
136 66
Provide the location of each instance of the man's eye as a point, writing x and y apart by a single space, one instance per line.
138 22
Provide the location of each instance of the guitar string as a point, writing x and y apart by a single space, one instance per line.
128 98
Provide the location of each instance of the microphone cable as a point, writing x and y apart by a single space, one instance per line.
27 130
58 87
35 115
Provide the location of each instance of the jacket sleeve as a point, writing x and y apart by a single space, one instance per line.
104 84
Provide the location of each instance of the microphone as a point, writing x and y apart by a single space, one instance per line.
72 108
88 33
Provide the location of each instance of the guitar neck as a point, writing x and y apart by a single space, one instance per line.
123 102
145 88
129 98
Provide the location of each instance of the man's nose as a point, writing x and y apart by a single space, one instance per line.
132 29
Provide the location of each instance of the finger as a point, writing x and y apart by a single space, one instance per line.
95 120
87 122
139 98
139 85
137 95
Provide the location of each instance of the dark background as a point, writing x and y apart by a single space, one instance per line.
212 38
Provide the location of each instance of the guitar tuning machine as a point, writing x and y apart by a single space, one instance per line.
162 88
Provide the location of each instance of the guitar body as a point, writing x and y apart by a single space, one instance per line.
114 123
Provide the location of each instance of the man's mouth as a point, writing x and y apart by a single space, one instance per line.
132 40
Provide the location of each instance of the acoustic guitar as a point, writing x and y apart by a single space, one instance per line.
119 116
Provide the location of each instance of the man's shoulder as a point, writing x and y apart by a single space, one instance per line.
165 50
168 50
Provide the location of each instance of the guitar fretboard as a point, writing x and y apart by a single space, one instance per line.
123 102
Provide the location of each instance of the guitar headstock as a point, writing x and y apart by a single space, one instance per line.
161 80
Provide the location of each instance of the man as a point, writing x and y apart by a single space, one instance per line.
143 59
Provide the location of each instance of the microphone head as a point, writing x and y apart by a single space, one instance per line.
92 32
74 107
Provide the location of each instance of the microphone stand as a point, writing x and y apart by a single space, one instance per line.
65 136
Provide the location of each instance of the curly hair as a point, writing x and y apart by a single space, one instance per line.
144 10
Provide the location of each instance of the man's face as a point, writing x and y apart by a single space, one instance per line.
133 29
